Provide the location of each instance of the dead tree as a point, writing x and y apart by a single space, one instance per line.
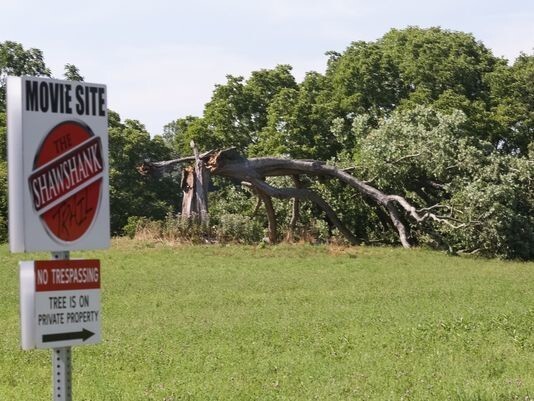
195 188
252 174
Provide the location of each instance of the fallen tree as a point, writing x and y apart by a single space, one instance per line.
252 174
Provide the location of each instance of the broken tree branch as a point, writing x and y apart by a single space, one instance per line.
252 172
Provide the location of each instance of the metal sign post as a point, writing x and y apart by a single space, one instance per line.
62 374
61 359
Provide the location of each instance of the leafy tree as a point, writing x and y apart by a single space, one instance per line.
512 105
72 73
433 160
237 111
365 79
414 66
177 135
17 61
299 122
430 114
262 87
114 120
130 193
436 60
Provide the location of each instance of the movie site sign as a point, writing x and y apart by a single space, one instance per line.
58 165
60 303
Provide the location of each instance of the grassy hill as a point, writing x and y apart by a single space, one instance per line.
290 323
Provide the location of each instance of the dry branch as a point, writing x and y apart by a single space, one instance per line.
252 172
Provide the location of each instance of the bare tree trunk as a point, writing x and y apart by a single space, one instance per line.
271 216
201 187
257 207
189 207
295 212
399 225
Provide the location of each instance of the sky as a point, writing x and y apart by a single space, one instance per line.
162 59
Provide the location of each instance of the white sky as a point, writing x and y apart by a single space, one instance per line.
161 59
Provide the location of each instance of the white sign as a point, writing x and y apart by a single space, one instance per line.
58 165
60 303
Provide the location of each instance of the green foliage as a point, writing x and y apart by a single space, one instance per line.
414 66
431 158
72 73
512 105
237 111
179 133
130 193
299 123
237 228
229 198
501 199
133 224
232 214
413 149
365 79
17 61
429 114
434 61
365 220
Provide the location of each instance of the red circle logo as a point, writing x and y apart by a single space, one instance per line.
66 181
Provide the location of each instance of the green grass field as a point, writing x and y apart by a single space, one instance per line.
290 323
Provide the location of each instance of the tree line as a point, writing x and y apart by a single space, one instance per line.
428 114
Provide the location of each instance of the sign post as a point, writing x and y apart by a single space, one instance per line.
62 374
58 202
61 360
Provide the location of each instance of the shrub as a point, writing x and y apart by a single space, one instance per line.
238 228
133 224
